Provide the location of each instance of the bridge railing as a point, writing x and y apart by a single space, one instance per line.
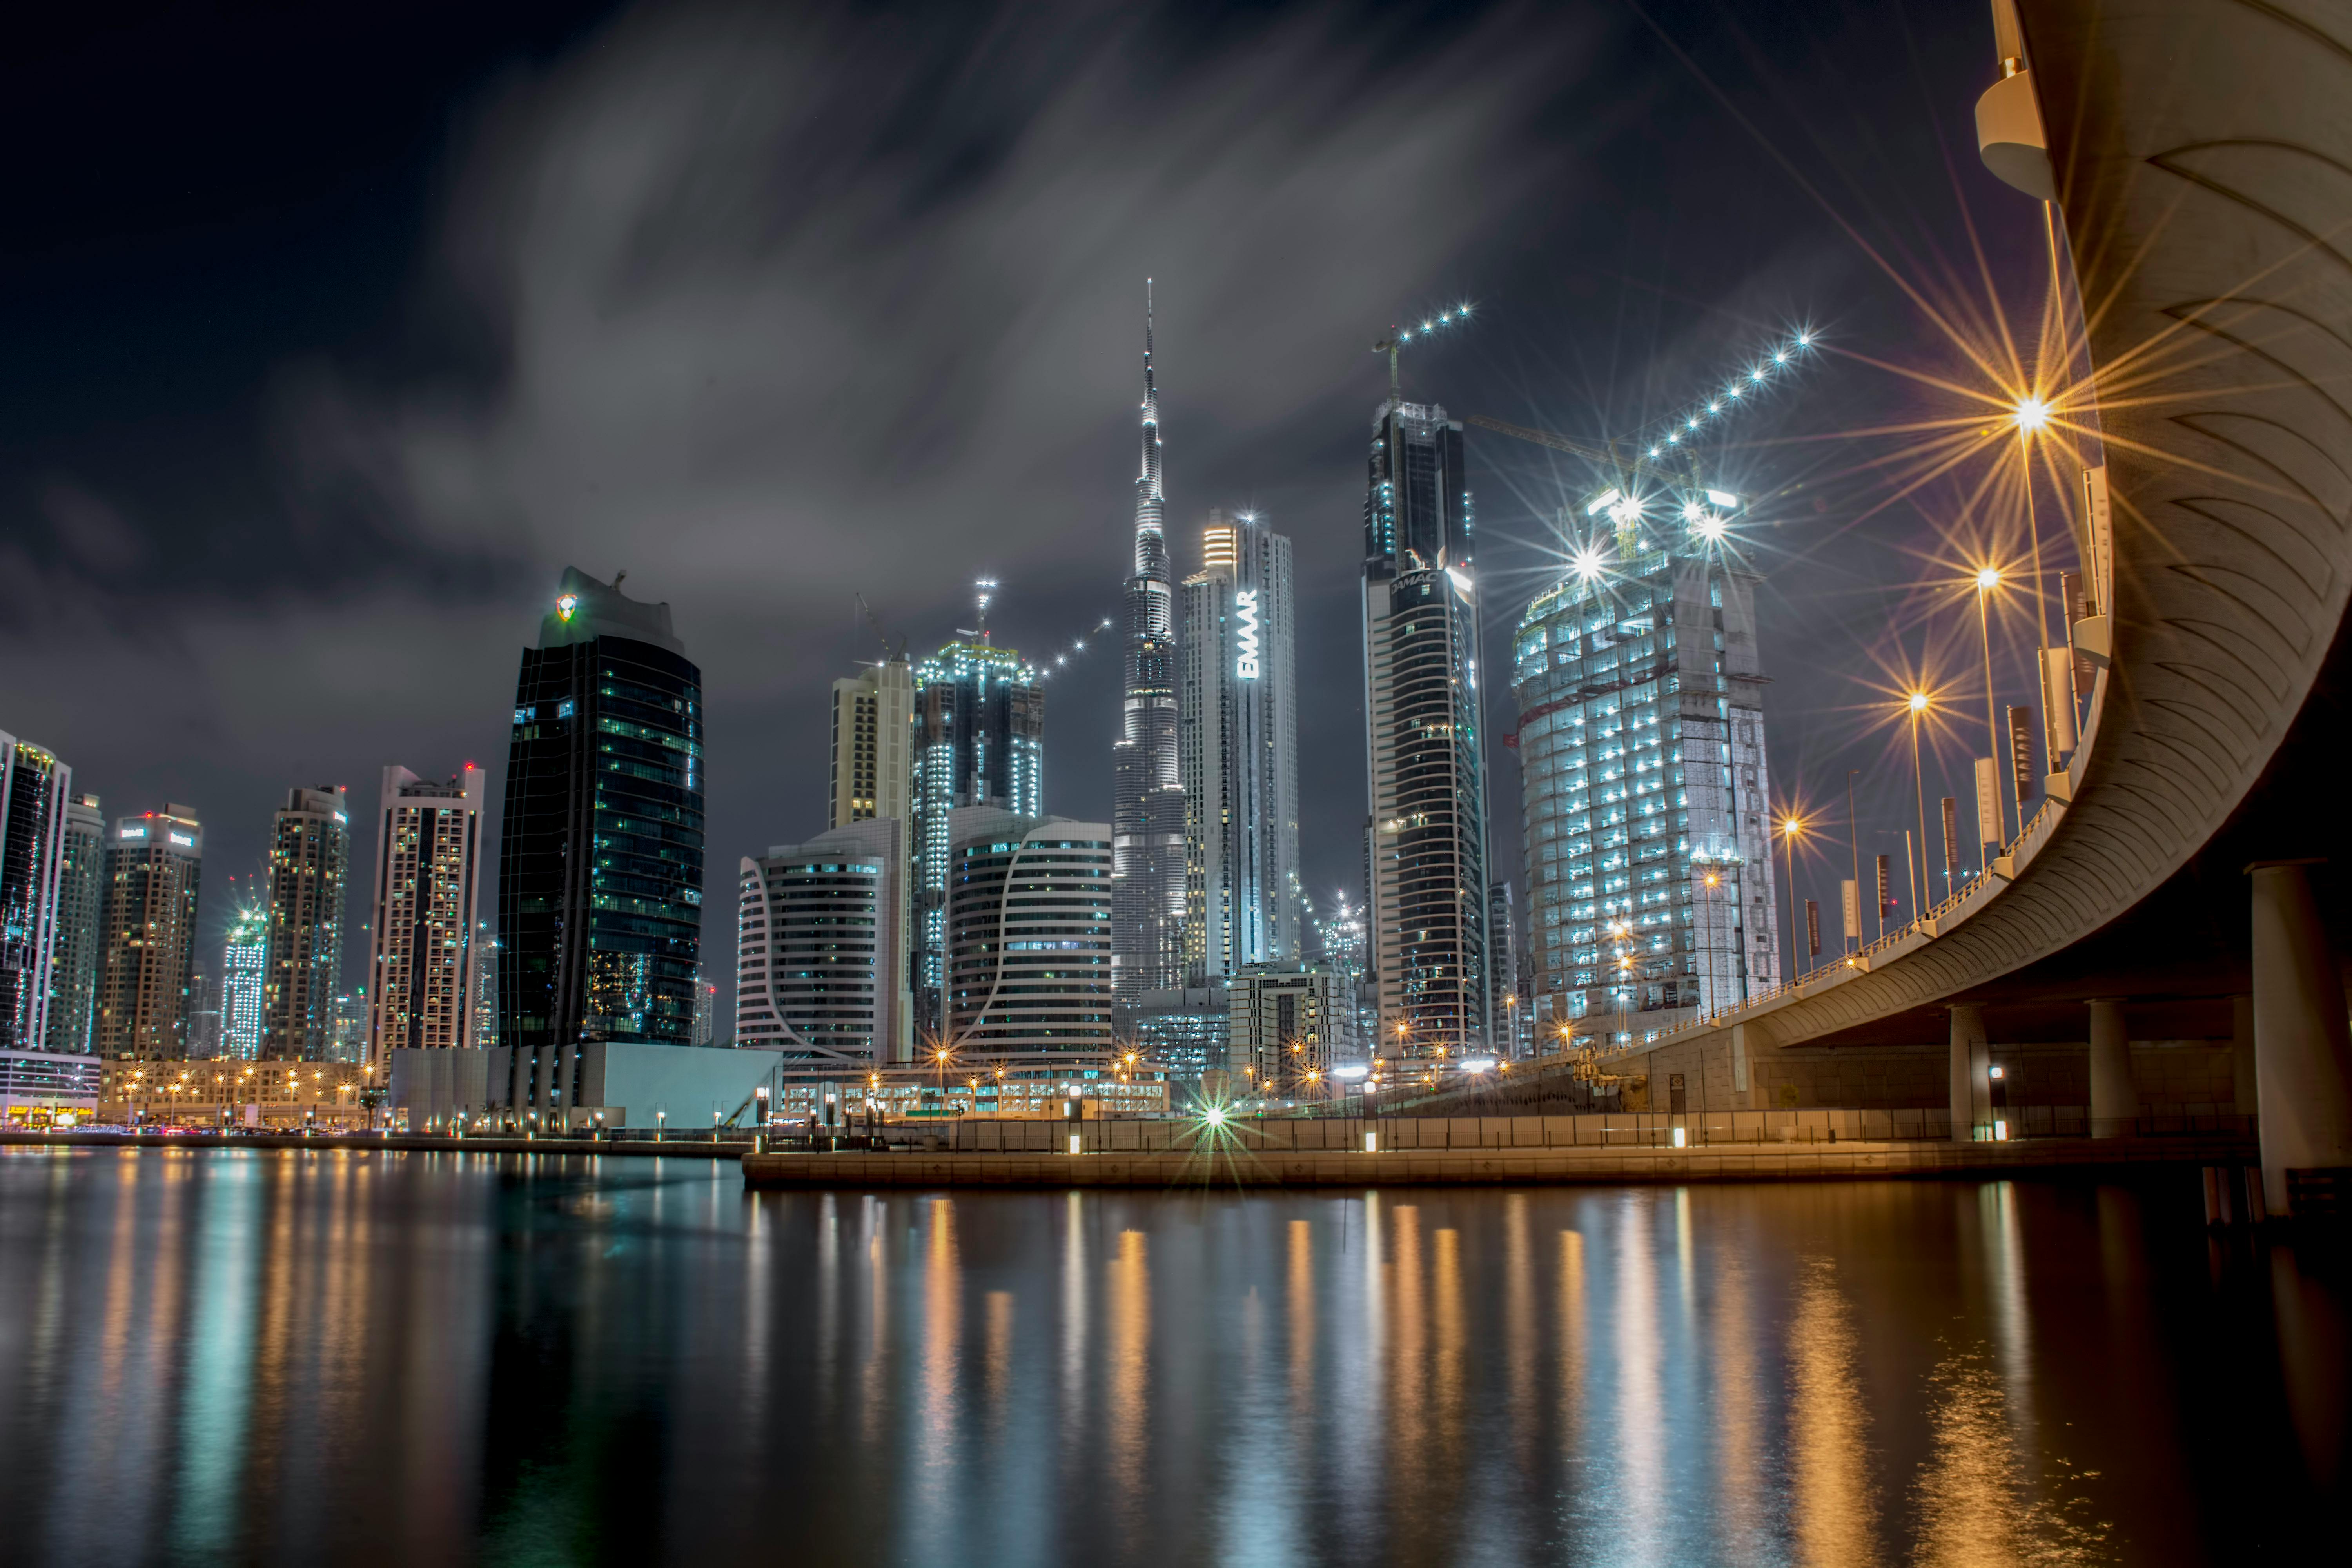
1928 925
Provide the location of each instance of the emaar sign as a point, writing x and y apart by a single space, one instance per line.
1245 613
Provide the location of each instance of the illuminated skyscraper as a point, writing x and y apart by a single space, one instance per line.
1503 1000
980 739
34 789
1640 743
599 851
81 906
1147 793
154 869
309 862
1342 938
1237 741
421 992
204 1016
485 986
1425 741
244 968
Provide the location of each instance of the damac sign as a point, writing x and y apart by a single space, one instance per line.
1245 612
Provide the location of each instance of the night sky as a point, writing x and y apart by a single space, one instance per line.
331 337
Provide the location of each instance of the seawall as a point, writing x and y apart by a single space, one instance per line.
1205 1166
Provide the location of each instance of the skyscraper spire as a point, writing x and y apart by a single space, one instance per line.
1151 501
1147 917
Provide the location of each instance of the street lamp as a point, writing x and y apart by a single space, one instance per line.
1918 702
1987 579
1790 825
2032 415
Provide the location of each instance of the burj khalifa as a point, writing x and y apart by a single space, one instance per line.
1147 910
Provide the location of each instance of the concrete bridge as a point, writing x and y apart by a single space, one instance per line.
2187 876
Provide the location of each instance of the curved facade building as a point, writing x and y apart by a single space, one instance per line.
1029 935
819 972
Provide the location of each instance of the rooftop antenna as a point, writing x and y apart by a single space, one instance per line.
987 591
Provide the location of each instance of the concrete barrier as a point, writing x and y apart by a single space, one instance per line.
1229 1164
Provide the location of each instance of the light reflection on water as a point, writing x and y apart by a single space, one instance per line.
304 1357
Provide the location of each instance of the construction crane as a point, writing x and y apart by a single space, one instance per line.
1558 443
888 656
1673 459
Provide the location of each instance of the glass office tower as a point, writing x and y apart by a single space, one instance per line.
82 904
34 789
1426 842
600 854
1641 741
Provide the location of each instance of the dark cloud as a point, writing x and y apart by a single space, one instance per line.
772 306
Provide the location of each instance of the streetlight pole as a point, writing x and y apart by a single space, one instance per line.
1853 847
1919 784
1987 580
2032 414
1790 826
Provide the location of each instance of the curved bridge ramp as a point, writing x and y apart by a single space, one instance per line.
2203 170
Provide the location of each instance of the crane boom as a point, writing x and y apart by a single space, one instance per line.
1585 449
876 622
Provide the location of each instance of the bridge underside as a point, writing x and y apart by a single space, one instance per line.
2179 955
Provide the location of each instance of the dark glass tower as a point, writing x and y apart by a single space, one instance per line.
34 788
1426 756
600 856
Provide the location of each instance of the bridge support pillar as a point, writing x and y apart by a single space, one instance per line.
2303 1046
2241 1055
1740 1064
2115 1099
1972 1075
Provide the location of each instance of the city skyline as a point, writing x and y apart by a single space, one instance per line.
1258 415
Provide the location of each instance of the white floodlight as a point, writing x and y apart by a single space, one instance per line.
1724 499
1609 499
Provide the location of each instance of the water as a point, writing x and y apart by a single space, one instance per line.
309 1356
